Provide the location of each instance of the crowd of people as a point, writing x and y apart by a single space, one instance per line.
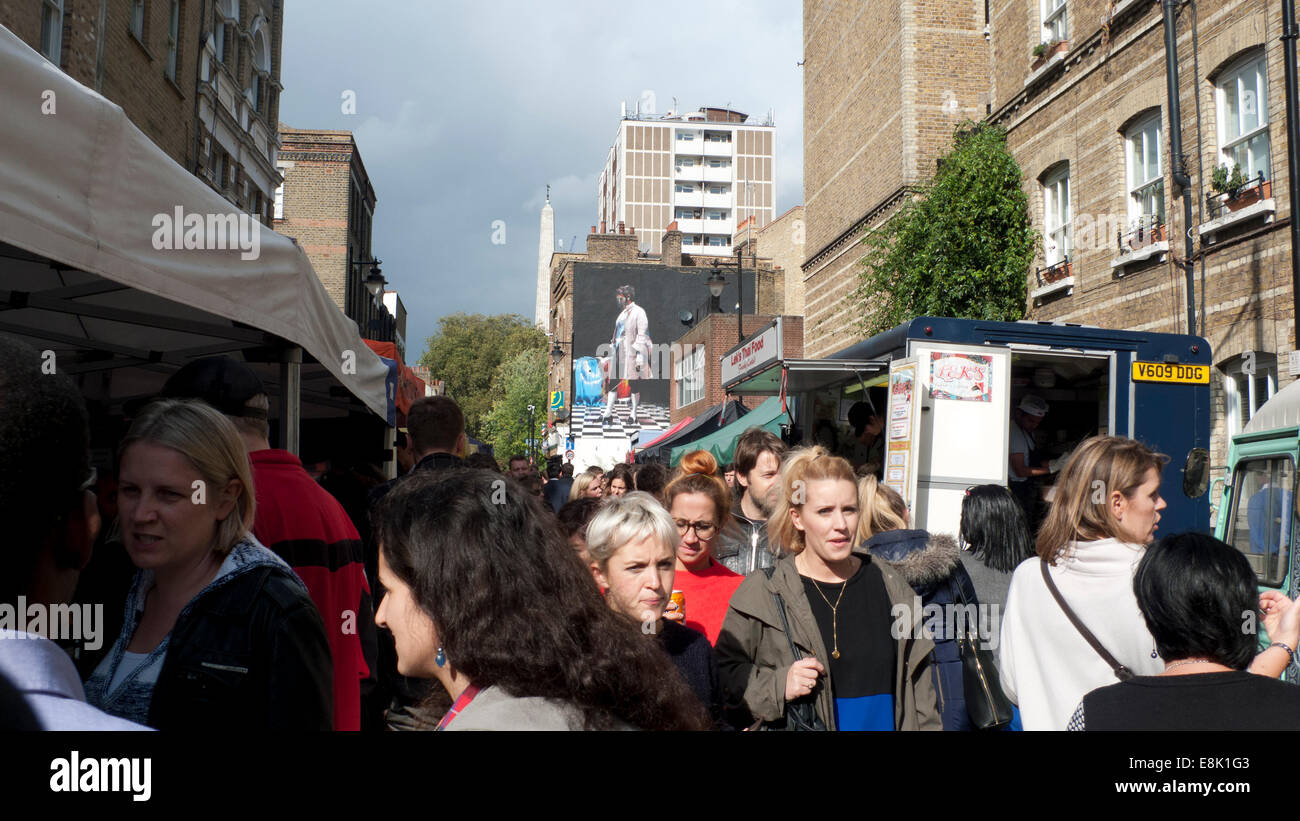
460 596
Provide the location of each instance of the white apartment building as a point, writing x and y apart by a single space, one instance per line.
707 170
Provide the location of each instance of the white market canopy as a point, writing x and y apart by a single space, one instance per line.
86 198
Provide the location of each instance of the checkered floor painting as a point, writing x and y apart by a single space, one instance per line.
587 420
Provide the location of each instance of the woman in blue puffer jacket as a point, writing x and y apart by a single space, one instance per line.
931 563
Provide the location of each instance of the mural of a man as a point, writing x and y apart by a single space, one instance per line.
630 358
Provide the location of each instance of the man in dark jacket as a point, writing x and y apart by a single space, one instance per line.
51 520
556 491
300 522
435 426
744 545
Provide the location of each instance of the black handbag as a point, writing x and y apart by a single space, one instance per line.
986 705
800 714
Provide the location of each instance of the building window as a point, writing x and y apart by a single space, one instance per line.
1056 214
1146 184
257 90
685 162
52 30
1242 101
1249 381
1055 26
688 239
685 136
138 17
717 215
717 136
690 377
225 30
684 188
279 201
716 241
173 39
718 163
717 189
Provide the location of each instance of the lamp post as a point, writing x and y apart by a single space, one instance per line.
374 280
530 446
717 282
557 356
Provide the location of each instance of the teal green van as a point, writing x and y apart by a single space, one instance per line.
1257 504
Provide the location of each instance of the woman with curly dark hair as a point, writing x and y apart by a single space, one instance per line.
485 597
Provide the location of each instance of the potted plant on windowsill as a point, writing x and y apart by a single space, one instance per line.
1058 271
1237 192
1141 238
1046 50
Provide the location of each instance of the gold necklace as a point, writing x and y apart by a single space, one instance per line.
835 626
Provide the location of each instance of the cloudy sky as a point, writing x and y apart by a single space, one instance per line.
466 110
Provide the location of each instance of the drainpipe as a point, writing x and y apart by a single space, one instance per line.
1293 173
1177 164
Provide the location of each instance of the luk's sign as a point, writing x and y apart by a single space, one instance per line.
759 350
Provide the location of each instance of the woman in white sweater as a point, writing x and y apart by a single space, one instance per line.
1106 511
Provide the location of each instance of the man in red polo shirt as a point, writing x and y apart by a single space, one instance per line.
298 520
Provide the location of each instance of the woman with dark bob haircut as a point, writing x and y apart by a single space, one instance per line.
485 597
994 539
1198 597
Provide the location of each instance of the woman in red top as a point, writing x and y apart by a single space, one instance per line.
700 504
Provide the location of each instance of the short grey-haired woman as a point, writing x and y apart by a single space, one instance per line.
632 542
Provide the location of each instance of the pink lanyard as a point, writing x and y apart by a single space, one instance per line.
461 703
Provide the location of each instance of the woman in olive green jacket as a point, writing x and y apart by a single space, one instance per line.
818 509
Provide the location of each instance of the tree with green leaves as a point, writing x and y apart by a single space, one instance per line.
520 381
466 354
962 247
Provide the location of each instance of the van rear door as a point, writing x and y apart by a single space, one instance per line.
965 422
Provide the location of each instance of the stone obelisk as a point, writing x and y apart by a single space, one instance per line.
545 246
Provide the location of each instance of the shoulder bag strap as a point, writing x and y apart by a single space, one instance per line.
1121 672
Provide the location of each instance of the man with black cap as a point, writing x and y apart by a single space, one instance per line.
298 520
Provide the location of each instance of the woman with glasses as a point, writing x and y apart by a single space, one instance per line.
700 505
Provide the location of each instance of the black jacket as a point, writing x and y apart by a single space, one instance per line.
744 545
250 655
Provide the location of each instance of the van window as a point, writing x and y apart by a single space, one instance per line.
1263 515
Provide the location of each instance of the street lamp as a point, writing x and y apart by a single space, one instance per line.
530 444
557 356
717 282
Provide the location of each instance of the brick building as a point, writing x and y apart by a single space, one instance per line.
1090 129
885 83
697 373
198 77
328 205
1088 121
782 241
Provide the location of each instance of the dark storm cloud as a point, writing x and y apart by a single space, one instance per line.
465 111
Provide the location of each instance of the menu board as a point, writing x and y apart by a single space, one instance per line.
900 442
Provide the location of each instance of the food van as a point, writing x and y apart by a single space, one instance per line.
946 389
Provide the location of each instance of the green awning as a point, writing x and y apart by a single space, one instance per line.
722 443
